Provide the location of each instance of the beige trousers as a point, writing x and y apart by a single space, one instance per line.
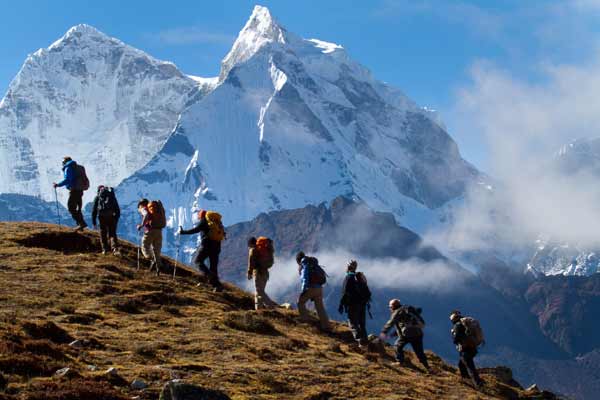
261 299
151 245
316 295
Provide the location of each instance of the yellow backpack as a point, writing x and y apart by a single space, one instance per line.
216 231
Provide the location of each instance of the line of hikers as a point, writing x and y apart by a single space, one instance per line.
356 295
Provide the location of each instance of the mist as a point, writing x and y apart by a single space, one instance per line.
539 190
382 273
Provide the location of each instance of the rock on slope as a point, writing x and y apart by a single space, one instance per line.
154 329
295 122
90 96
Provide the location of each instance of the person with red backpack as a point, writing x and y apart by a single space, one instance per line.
76 182
409 327
153 222
261 255
106 209
212 233
312 277
356 297
467 335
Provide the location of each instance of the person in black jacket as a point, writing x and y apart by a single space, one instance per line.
355 298
106 209
466 350
208 248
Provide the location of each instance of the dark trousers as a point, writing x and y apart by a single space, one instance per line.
357 321
210 251
417 345
108 232
466 364
74 204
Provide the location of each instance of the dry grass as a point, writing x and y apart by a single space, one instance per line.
57 287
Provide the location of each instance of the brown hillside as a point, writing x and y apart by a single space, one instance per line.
57 288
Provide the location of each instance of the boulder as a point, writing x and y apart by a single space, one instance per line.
66 373
179 390
138 384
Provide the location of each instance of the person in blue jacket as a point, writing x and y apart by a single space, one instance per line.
73 182
311 291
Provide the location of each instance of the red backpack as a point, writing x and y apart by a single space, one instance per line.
265 252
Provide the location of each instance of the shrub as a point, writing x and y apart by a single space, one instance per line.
48 330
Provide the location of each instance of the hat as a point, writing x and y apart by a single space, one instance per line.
394 304
201 214
455 315
66 159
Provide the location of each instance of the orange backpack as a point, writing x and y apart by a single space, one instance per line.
158 219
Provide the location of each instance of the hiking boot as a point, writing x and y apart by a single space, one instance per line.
116 252
103 252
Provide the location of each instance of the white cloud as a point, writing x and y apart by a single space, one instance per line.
524 123
284 282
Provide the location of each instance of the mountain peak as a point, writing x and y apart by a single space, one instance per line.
82 32
261 29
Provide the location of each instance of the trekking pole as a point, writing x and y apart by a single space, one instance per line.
57 209
138 250
177 255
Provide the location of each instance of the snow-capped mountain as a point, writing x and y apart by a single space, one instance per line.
109 106
580 161
293 122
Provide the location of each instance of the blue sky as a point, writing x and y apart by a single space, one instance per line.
433 50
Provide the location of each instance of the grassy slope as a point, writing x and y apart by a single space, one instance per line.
157 329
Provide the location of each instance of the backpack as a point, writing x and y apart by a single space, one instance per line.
317 275
216 231
412 323
107 202
265 252
363 292
474 332
158 218
81 180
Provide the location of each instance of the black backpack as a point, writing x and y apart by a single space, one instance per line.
317 276
82 181
363 292
107 202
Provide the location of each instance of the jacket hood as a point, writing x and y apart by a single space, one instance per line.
68 164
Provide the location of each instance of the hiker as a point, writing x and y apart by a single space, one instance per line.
261 255
153 222
467 336
211 233
409 327
313 278
356 297
106 209
76 182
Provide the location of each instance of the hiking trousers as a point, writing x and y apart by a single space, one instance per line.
466 365
316 295
74 204
261 299
357 320
210 250
108 232
416 343
152 245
